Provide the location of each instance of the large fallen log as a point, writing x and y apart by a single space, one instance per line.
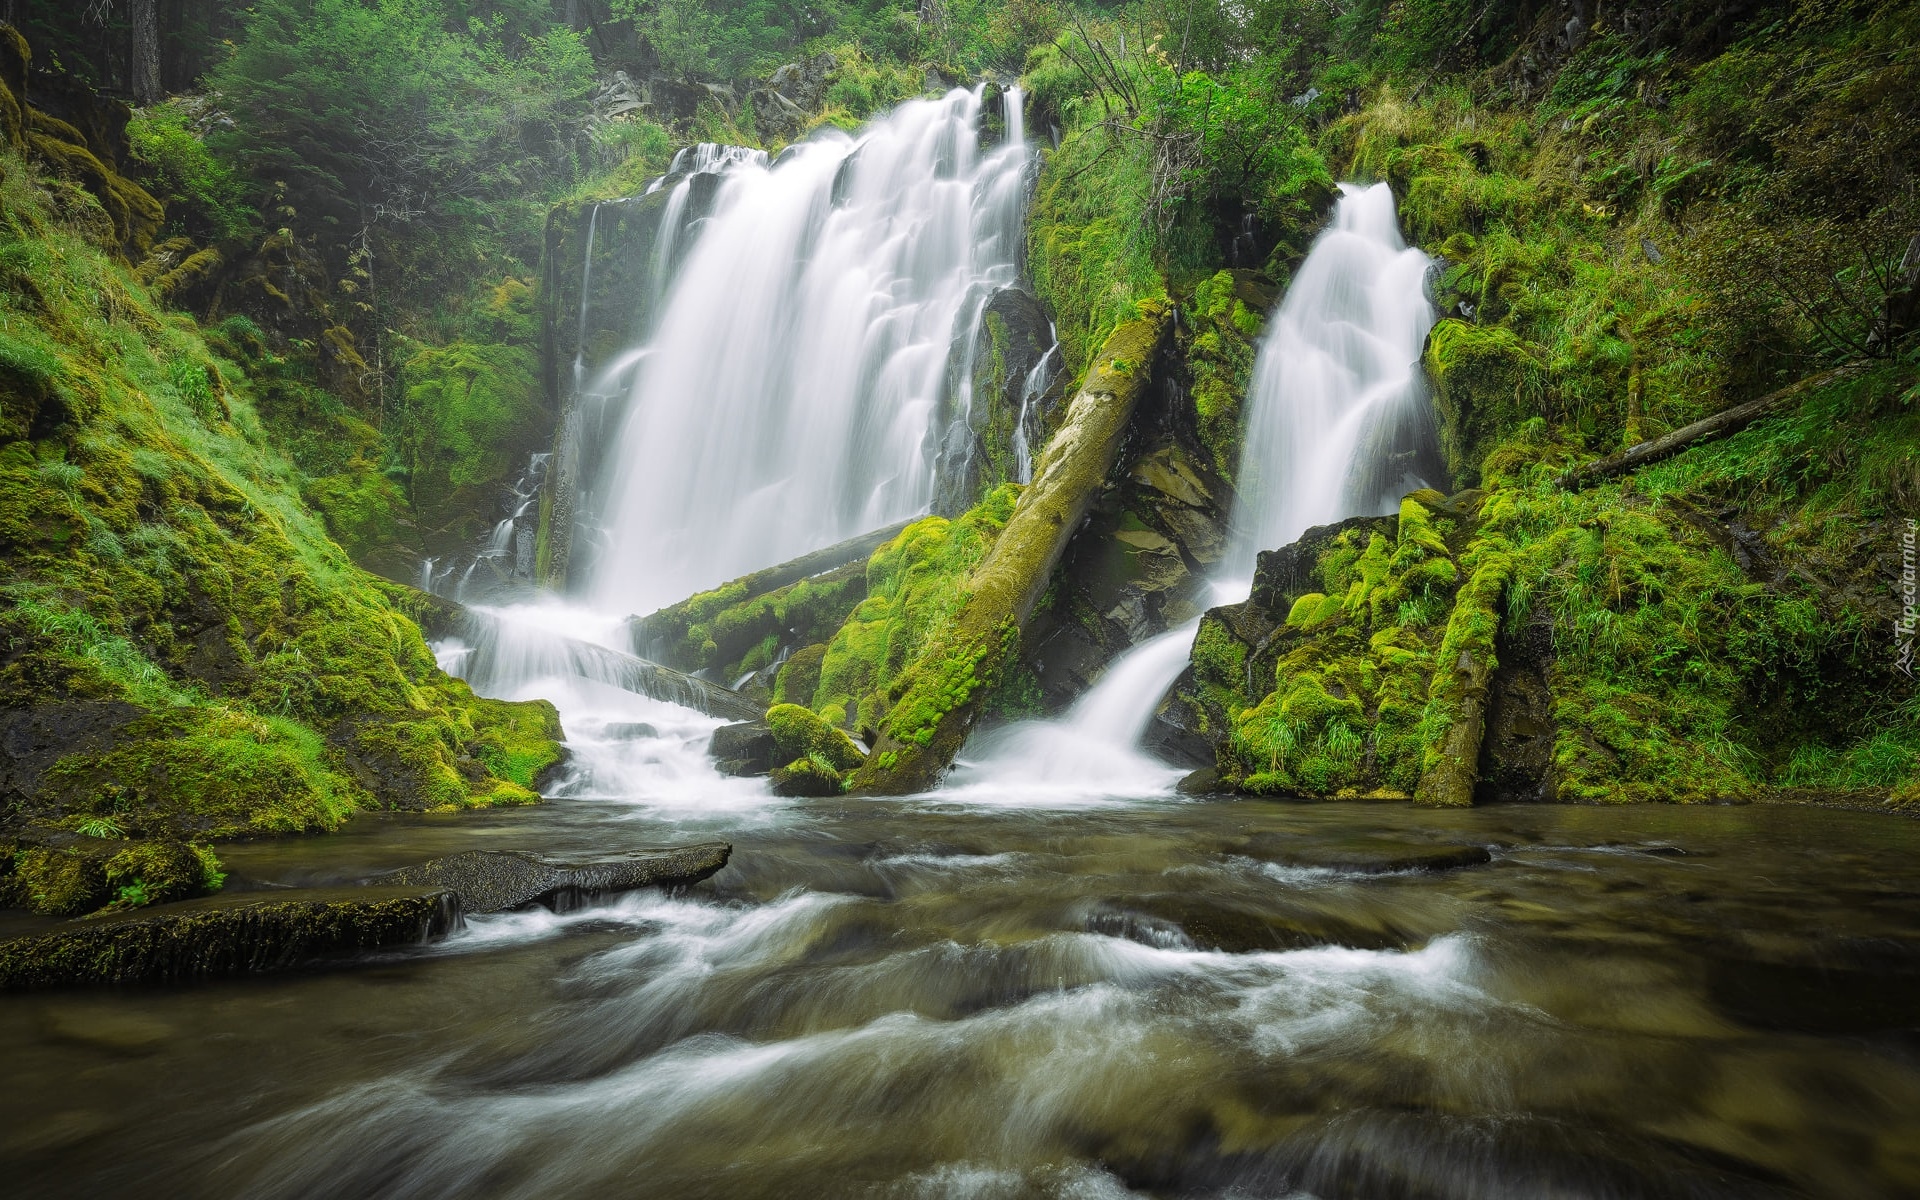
942 691
656 634
1726 421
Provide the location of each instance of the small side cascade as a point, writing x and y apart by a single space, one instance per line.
1338 420
504 558
1038 380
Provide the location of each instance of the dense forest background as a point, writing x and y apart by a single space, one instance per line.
285 258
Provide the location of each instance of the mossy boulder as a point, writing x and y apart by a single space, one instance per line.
67 876
801 734
807 778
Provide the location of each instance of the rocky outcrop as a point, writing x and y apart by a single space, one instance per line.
501 880
1369 645
941 694
784 106
1013 399
247 934
1140 567
743 748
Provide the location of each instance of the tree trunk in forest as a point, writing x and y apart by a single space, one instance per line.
1726 421
144 79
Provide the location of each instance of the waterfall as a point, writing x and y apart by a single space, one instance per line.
1038 380
1089 754
1337 426
1338 423
796 386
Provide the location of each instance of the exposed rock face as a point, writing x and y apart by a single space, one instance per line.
499 880
941 694
978 453
1139 567
743 748
243 934
784 105
1516 757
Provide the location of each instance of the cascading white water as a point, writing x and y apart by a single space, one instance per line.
1337 426
1090 754
1337 418
793 387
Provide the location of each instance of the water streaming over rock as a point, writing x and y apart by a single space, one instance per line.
798 382
1089 755
1338 422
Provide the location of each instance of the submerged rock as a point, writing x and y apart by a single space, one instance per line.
498 880
227 935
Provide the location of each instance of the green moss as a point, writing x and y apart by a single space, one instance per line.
914 585
799 676
169 588
800 733
473 413
1220 362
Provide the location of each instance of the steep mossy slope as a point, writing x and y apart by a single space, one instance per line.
1634 227
188 654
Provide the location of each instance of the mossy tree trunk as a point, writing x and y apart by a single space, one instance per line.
942 692
1459 691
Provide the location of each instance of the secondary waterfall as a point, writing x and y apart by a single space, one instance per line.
807 359
1338 423
1088 755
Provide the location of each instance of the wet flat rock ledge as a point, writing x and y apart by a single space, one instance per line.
499 880
252 933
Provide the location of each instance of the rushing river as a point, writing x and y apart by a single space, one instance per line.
966 995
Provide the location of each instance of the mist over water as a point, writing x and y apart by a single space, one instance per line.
801 375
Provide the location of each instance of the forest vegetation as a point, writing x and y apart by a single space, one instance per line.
276 323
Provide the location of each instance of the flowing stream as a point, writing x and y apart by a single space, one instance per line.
1052 977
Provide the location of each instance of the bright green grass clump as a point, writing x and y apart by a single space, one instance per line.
915 583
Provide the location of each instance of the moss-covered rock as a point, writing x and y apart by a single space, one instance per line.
226 936
808 778
800 734
67 876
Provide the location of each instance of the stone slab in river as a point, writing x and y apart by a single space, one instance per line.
498 880
245 933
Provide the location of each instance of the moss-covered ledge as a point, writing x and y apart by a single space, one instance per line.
946 686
